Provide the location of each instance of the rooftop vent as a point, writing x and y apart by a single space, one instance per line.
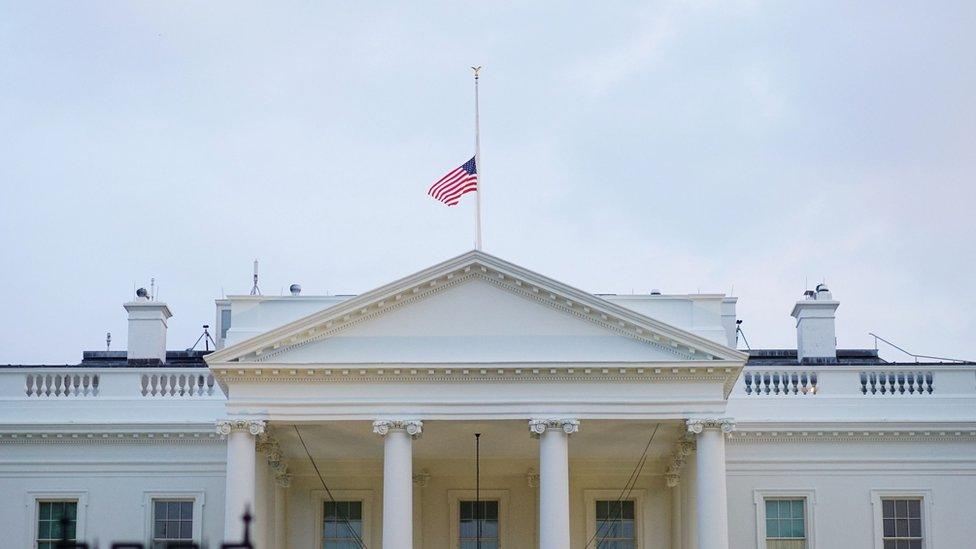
655 291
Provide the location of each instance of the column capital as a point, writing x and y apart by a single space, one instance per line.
673 479
253 426
539 426
413 427
697 425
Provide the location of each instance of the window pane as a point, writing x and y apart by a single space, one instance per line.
797 508
914 508
889 527
186 510
772 509
901 508
888 508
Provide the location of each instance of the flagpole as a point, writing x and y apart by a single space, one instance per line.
477 160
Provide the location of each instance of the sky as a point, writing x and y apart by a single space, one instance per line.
750 147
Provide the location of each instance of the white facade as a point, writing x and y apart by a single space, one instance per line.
580 400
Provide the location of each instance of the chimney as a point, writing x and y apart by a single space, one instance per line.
147 329
816 340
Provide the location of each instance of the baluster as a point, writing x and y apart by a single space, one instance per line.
183 391
29 382
929 382
86 384
813 383
864 383
69 385
58 380
776 383
901 383
910 378
144 381
210 385
153 384
883 382
172 385
891 382
747 378
795 381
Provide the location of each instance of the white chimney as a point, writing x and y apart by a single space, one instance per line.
815 335
147 328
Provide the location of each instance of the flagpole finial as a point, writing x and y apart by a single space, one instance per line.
476 71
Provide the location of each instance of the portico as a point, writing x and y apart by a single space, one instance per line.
387 389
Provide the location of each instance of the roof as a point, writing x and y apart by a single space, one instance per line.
845 357
117 359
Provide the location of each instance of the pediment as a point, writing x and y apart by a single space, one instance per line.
474 309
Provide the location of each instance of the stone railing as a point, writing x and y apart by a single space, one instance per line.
893 381
74 383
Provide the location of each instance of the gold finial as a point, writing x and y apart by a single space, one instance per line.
476 71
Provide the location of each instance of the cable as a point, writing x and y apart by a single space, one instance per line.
628 489
359 540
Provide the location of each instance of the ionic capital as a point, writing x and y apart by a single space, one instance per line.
539 426
413 427
253 426
697 425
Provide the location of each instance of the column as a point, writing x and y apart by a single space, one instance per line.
674 483
281 511
713 521
553 435
239 489
398 480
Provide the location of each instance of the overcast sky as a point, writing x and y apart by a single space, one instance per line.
625 146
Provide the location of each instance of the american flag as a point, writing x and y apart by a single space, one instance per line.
457 182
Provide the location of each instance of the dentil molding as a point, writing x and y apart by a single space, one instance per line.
413 427
539 426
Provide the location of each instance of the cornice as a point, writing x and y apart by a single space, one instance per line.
679 343
96 436
692 372
847 436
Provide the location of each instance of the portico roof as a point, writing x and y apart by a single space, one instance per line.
672 344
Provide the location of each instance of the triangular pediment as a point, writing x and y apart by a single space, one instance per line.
475 308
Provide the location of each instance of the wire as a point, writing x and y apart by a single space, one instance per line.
625 493
359 540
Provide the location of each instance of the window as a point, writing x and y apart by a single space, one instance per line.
901 522
172 521
615 525
342 525
56 521
786 523
469 513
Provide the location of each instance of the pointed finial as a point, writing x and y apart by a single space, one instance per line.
476 71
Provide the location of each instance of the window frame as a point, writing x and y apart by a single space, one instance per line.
148 496
637 496
926 507
365 497
32 500
454 499
809 497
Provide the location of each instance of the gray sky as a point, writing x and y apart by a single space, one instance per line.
625 146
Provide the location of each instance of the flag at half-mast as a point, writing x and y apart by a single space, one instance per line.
450 188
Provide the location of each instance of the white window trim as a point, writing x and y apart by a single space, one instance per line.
319 497
928 505
199 500
809 497
454 497
31 507
637 496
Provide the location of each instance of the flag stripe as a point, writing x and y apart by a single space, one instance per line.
455 184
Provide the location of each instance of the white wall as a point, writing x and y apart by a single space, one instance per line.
113 479
842 475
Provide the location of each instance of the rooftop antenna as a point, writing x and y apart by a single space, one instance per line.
254 289
738 330
108 341
152 289
207 339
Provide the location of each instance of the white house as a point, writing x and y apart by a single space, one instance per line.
605 421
